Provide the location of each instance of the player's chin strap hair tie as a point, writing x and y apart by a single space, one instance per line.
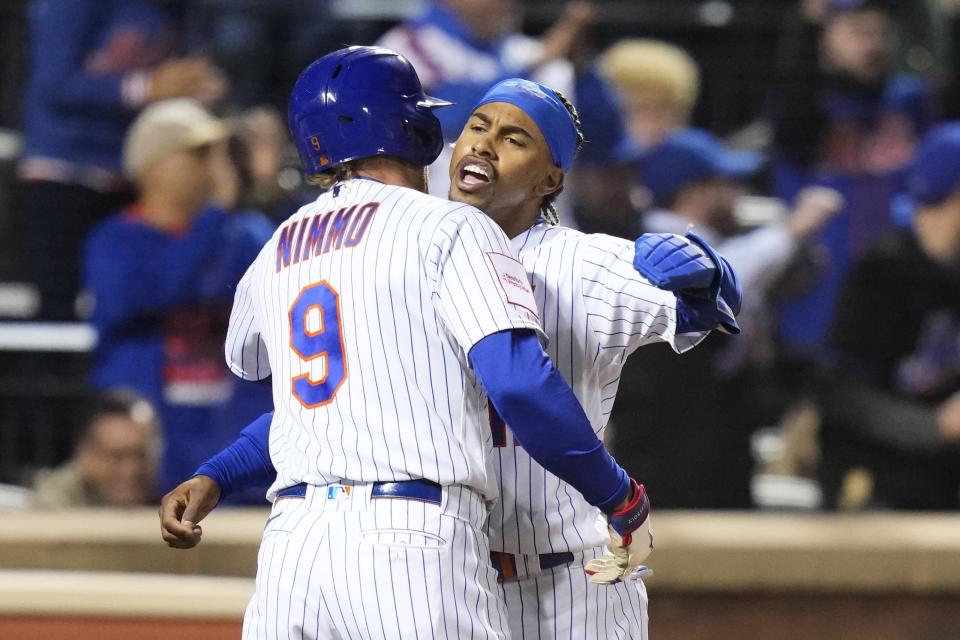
546 109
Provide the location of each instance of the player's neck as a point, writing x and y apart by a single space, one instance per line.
516 220
393 172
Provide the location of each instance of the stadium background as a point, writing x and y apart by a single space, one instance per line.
789 560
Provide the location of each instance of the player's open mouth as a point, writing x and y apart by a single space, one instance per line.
473 174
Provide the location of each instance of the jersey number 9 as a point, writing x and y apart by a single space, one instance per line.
315 333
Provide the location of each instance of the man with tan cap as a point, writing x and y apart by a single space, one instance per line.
161 273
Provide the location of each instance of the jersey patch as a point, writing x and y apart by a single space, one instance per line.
513 278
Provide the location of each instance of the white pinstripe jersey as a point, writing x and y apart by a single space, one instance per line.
596 310
363 307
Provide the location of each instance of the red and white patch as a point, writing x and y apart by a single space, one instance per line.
513 279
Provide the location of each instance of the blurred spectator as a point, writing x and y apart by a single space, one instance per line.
892 406
695 180
463 47
658 84
655 87
267 179
950 95
921 45
93 65
602 178
263 46
604 199
843 119
161 274
115 460
691 442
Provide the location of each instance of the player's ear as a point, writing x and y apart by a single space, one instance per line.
552 181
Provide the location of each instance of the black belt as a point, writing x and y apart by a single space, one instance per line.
422 490
506 563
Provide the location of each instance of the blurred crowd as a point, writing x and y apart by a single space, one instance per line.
155 162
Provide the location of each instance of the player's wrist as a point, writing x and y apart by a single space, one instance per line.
211 473
633 513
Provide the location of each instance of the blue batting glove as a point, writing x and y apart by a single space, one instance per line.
673 263
726 285
716 306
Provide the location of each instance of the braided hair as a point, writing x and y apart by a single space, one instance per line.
547 209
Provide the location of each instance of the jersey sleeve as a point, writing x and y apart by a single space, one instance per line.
479 286
244 348
624 310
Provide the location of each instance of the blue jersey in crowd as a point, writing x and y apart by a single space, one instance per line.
161 306
88 75
862 154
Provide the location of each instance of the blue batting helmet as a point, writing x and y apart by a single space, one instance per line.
360 102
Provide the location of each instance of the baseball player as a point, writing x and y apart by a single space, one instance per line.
386 318
596 311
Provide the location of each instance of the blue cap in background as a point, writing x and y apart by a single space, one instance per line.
934 173
689 156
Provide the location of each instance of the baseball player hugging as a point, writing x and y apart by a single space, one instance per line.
383 356
411 391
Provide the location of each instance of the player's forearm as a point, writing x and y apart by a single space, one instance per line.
544 415
246 462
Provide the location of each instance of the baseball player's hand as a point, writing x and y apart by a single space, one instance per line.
672 262
183 508
631 541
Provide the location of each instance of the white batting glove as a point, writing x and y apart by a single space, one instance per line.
631 542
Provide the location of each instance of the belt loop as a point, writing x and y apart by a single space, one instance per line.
505 564
510 566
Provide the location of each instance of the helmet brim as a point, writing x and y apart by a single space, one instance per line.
433 103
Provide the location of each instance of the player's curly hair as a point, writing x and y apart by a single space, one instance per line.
547 209
333 175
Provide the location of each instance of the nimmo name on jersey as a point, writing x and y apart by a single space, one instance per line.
303 239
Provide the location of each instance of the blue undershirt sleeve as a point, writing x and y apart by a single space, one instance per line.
245 463
534 400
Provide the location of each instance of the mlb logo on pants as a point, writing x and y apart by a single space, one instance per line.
338 492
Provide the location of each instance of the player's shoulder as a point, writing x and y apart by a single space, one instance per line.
543 236
424 202
451 215
615 244
603 252
399 200
577 250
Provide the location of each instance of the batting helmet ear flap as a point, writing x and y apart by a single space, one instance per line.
361 102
